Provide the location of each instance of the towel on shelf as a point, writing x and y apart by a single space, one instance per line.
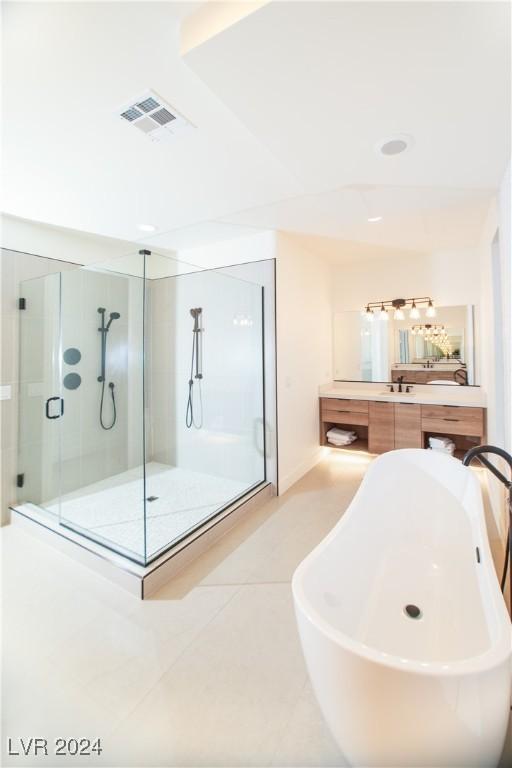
442 444
340 443
438 440
339 437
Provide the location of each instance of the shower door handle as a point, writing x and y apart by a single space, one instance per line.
51 400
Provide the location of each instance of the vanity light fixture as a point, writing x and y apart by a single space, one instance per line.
368 313
434 333
431 310
414 314
399 306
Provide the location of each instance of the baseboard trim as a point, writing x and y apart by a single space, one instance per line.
306 466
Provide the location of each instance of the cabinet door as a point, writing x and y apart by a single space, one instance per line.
381 430
408 425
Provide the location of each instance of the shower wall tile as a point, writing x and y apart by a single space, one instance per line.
9 362
8 458
9 422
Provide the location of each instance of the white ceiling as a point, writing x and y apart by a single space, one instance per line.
68 159
320 82
288 103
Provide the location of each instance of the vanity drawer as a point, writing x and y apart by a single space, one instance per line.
452 420
345 405
345 417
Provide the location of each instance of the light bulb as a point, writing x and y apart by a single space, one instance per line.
414 313
399 315
369 314
413 331
383 314
431 310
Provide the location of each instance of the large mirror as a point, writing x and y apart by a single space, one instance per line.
429 350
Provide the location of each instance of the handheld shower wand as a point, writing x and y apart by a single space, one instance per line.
104 329
113 316
195 372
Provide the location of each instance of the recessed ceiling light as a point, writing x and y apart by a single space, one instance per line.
372 219
146 228
394 145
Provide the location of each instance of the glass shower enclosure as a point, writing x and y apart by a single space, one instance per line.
141 399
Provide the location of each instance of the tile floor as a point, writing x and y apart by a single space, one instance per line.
112 512
209 672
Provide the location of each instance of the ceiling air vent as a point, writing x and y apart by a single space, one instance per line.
153 116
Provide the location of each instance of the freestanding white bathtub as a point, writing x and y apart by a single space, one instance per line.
396 690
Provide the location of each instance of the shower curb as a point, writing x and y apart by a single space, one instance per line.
140 581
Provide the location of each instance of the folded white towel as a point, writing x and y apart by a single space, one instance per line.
442 444
439 440
335 432
449 451
334 441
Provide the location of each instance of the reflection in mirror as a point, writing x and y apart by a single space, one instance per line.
436 350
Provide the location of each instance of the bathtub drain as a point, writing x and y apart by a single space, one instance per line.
412 611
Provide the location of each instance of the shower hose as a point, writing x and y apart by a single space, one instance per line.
190 416
114 417
111 386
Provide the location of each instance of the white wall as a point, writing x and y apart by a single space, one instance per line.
451 278
498 219
58 243
239 250
304 353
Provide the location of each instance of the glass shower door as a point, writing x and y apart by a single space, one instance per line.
41 404
102 453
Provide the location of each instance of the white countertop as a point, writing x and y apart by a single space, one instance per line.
424 394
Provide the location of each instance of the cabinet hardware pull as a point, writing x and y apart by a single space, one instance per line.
445 419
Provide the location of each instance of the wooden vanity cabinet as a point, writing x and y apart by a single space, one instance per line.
381 429
408 425
383 426
453 420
